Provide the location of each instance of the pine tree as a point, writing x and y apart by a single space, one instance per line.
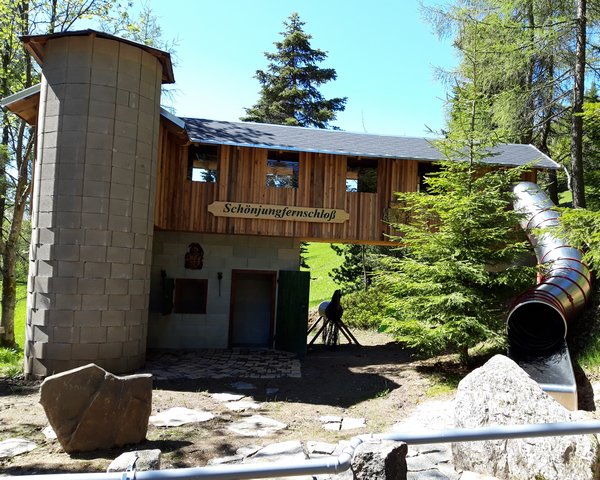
289 92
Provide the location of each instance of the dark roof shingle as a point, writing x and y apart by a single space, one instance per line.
281 137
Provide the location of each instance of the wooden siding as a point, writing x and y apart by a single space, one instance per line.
181 205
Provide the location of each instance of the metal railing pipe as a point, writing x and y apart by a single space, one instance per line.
342 462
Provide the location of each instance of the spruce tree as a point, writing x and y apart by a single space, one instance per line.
289 92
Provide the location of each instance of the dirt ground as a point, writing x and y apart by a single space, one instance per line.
377 381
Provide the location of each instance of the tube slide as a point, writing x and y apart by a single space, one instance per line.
538 319
537 322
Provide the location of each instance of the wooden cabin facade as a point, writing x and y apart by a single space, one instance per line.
153 231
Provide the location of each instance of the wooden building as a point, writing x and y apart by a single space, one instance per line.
199 222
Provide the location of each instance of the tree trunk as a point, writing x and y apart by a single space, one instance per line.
577 121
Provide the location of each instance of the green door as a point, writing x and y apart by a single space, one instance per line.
292 311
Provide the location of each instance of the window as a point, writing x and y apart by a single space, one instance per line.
424 169
282 169
361 175
190 295
203 163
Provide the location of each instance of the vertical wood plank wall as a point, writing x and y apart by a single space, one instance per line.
181 205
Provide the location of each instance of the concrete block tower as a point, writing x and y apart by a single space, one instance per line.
93 203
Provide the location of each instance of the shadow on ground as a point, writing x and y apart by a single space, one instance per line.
342 377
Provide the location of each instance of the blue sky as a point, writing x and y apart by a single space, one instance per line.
384 54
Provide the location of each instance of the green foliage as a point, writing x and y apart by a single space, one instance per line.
462 246
289 92
11 362
580 228
365 309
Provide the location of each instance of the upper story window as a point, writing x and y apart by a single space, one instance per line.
203 163
425 169
361 175
282 169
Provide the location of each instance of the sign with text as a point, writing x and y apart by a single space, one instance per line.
278 212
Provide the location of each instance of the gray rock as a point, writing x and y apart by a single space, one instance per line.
144 460
375 460
256 426
501 393
12 447
90 408
177 416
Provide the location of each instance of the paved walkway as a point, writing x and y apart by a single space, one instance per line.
220 363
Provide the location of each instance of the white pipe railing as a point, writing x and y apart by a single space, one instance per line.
342 462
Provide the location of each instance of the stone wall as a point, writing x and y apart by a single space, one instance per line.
93 206
222 253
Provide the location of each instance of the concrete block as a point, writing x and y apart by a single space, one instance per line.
135 332
119 302
99 156
116 285
70 236
78 74
57 351
136 287
48 155
43 252
70 269
79 91
141 195
104 76
44 268
66 301
120 207
51 124
55 75
47 189
64 252
126 129
104 109
121 192
97 269
139 225
138 256
138 302
72 154
92 286
93 334
38 316
75 106
126 114
68 186
96 221
97 140
124 239
135 317
123 176
103 93
100 173
60 318
43 301
94 302
87 318
142 241
119 223
41 333
134 98
66 334
66 203
40 284
144 148
117 334
110 350
113 318
100 125
64 285
68 219
122 97
92 253
117 254
38 349
53 105
139 210
85 351
127 81
141 272
131 348
121 271
74 123
98 237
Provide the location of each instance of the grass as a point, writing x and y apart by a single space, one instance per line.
11 359
321 259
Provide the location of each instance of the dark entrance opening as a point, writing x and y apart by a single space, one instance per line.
252 308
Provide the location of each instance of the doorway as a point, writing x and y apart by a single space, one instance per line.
252 308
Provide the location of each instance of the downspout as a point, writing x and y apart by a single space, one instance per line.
537 322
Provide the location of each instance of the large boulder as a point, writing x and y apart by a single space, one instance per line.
501 393
380 460
90 408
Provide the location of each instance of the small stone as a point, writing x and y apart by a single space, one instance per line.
144 460
15 446
349 423
49 433
291 451
256 426
320 448
177 416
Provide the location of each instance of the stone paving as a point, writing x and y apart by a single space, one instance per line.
220 363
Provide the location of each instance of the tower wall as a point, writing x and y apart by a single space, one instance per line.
93 205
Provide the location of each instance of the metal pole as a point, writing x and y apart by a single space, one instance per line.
342 462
